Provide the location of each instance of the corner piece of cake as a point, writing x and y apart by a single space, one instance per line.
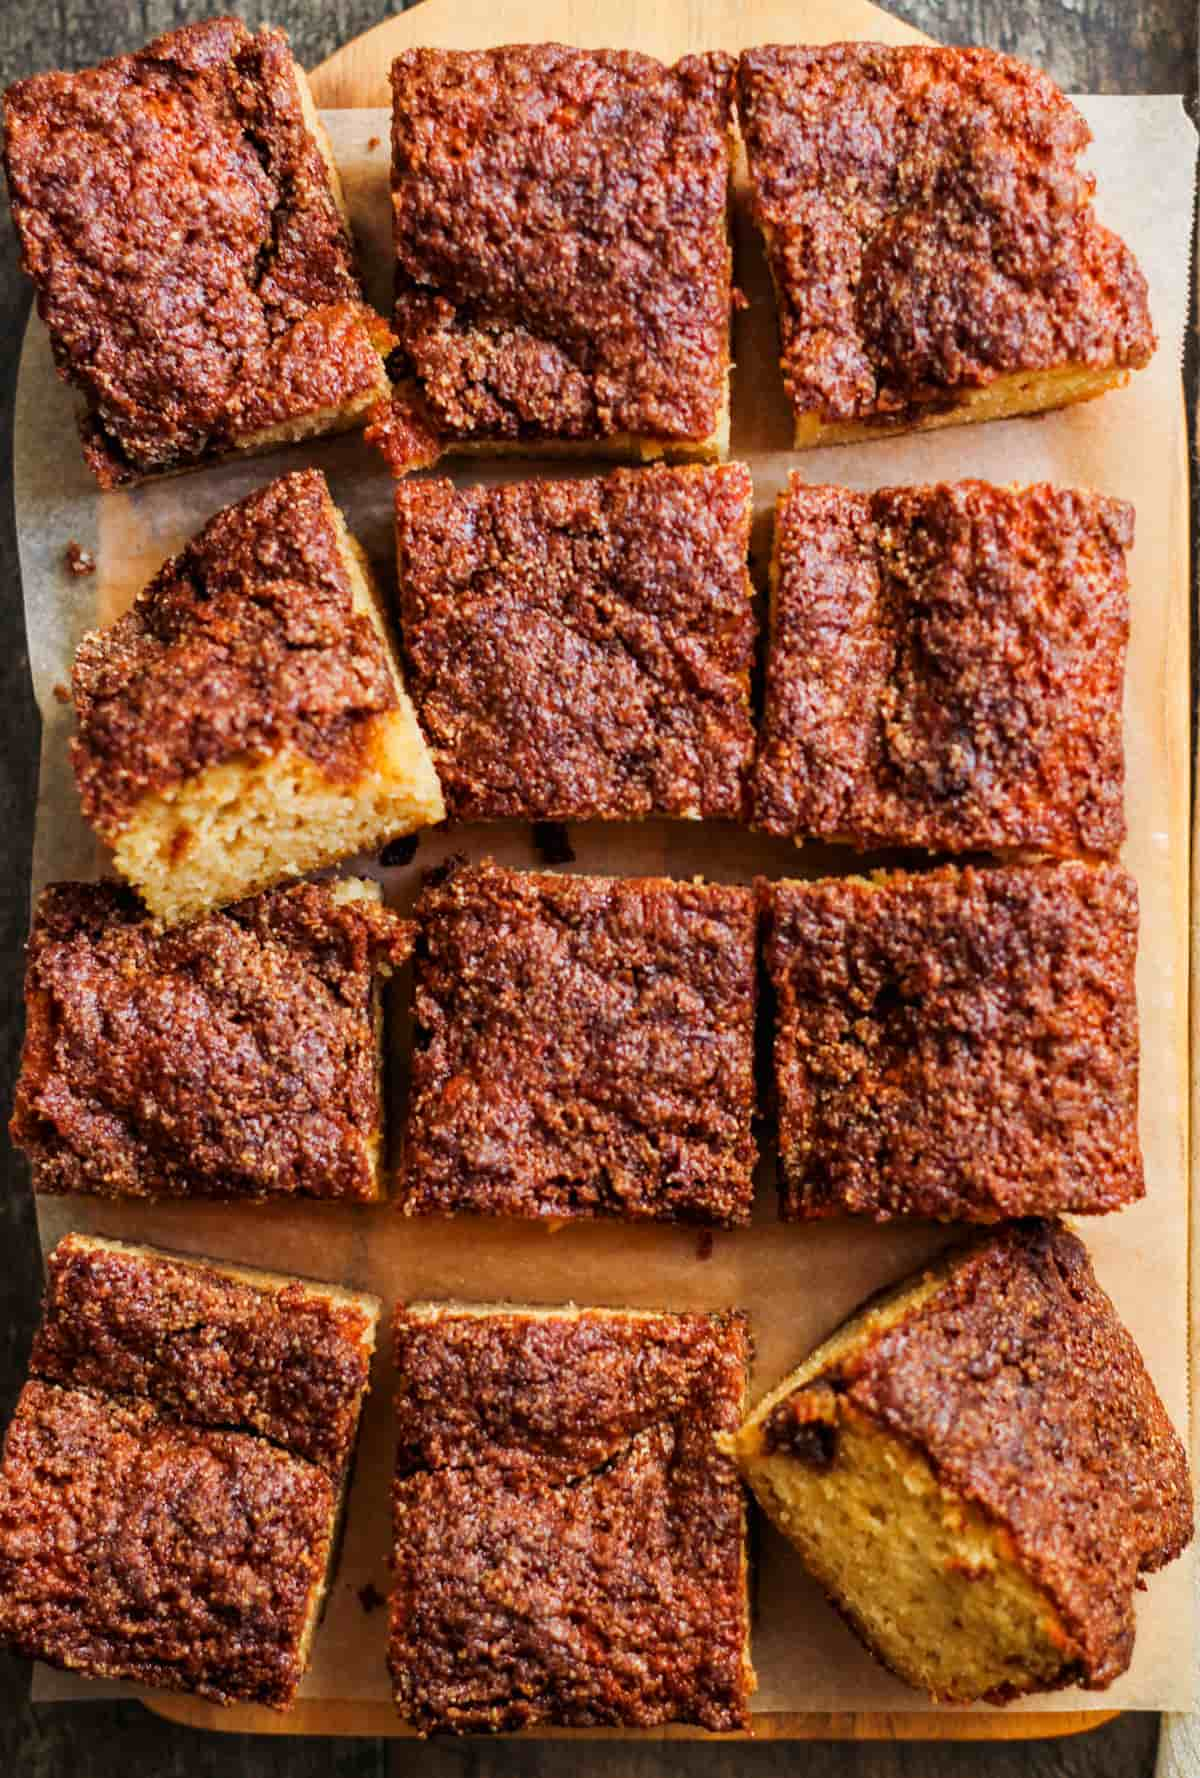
237 1056
174 1474
978 1470
958 1045
563 265
183 222
583 1046
946 669
569 1542
931 239
581 650
246 720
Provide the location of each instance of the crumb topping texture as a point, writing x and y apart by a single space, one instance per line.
946 668
927 226
563 268
231 1057
582 649
569 1542
583 1047
957 1045
190 258
245 642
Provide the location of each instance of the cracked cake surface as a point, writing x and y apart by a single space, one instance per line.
946 668
235 1056
582 649
563 270
568 1541
584 1046
930 234
960 1045
183 225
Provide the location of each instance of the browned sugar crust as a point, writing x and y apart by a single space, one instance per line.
290 1364
232 1057
562 260
583 1047
135 1547
946 668
244 642
568 1539
582 649
959 1045
191 261
927 226
1025 1392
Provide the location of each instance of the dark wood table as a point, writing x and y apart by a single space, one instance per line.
1118 46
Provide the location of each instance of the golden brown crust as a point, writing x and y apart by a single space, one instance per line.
568 1539
191 261
946 668
582 649
1022 1388
135 1547
562 263
584 1047
289 1363
927 226
235 1056
958 1045
246 641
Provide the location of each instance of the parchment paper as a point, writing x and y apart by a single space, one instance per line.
796 1282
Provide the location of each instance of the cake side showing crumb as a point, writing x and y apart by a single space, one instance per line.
247 721
236 1056
958 1045
584 1046
134 1547
192 264
582 650
946 668
280 1357
931 237
569 1542
563 267
991 1422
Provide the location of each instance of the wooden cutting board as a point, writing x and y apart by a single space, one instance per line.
357 76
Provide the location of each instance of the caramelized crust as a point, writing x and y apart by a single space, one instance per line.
1019 1383
928 228
582 649
569 1542
563 269
135 1547
584 1047
191 260
959 1045
232 1057
286 1360
946 668
244 642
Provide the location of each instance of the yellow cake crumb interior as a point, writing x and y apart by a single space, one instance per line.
1021 392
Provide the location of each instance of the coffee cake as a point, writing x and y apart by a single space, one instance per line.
956 1045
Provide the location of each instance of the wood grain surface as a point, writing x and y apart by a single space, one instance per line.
1096 45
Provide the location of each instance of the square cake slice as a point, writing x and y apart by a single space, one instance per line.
931 239
173 1477
946 669
182 219
581 650
237 1056
563 267
246 720
957 1045
569 1543
583 1046
978 1470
